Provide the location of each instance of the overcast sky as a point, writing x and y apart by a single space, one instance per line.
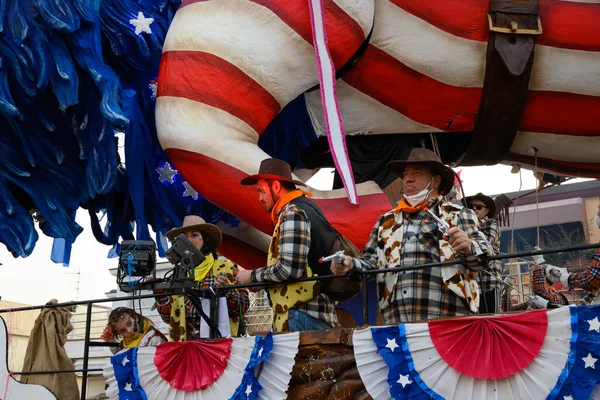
35 280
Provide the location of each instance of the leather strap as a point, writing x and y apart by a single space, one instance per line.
508 70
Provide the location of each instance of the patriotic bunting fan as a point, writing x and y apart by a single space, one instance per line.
204 370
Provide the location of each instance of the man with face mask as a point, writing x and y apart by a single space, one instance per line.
409 236
588 280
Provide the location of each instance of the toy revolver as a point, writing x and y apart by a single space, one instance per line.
336 257
443 224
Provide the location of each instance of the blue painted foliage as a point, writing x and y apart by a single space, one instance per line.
72 73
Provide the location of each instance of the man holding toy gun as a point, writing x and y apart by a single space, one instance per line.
423 229
301 235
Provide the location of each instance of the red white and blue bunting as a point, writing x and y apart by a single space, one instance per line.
405 361
201 370
533 355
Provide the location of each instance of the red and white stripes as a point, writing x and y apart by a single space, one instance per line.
229 66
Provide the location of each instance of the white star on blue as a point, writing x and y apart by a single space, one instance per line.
189 191
166 173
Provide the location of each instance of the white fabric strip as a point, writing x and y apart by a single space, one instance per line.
333 119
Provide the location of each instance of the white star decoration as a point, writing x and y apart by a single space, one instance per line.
594 324
153 86
568 397
248 390
260 351
404 381
590 361
166 173
189 191
141 23
125 361
391 344
128 387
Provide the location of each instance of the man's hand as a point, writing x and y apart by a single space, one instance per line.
555 274
459 241
538 302
510 281
222 280
244 277
343 268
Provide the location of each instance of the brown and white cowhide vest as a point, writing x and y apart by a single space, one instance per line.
288 295
460 280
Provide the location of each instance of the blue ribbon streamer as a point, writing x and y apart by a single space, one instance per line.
249 388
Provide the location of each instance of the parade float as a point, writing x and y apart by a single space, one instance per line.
202 91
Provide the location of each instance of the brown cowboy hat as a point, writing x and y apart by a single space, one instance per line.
431 160
272 169
487 200
211 234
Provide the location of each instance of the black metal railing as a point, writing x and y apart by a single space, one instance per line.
363 276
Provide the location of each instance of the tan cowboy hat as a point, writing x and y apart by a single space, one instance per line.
431 160
211 234
272 169
487 200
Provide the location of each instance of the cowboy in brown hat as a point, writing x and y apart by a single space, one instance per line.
301 305
409 235
214 272
485 209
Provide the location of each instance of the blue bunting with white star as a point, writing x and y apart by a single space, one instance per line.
250 387
403 379
582 371
126 373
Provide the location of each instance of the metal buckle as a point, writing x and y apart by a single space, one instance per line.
514 28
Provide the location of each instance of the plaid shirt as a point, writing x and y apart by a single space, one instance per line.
589 279
538 287
236 300
491 230
294 244
421 294
508 306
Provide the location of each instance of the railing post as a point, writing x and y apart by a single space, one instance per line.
86 350
365 300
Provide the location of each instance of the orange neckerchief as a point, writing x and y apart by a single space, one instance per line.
407 208
286 198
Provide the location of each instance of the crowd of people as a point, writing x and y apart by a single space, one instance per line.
423 228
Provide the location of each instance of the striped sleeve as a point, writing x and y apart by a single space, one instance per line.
539 287
590 278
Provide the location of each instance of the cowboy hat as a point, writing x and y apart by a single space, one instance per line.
487 200
272 169
431 160
211 234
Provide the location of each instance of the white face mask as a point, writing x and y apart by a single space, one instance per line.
598 221
420 197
